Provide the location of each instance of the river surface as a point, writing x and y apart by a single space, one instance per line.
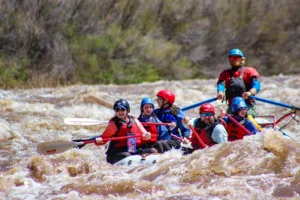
264 166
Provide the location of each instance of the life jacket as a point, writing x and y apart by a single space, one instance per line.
174 114
154 134
204 131
169 116
150 128
125 129
237 81
234 131
236 85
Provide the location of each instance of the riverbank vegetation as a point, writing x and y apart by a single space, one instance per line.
50 43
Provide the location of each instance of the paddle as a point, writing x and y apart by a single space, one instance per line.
198 104
197 136
275 103
238 124
83 121
88 122
59 146
93 99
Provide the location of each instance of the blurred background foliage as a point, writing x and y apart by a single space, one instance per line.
57 42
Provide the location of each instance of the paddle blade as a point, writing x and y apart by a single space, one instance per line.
93 99
83 121
55 147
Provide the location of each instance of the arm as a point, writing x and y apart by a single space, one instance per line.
186 121
251 127
185 132
252 77
221 86
255 87
163 131
219 134
109 131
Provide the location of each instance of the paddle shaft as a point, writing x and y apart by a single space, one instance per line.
197 136
198 104
86 121
59 146
101 102
275 103
238 124
108 105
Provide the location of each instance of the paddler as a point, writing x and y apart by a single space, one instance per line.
210 130
124 124
239 113
170 113
239 81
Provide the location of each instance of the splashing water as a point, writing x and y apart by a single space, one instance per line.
264 166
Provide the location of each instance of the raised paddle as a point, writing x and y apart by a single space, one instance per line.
93 99
238 124
275 103
108 105
59 146
198 104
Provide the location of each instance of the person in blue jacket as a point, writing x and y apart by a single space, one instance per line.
169 113
239 113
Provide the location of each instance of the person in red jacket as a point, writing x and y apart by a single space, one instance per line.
124 124
239 81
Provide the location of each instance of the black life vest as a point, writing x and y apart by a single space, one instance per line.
236 86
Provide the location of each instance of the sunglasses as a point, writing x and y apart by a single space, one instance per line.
234 58
120 109
206 114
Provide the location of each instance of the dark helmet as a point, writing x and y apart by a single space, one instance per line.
122 104
167 95
235 52
206 108
238 103
146 100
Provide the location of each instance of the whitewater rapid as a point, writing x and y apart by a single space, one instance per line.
264 166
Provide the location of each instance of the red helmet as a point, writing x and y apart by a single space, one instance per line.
207 107
167 95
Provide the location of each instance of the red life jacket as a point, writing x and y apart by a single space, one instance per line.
126 128
204 131
241 79
234 131
154 134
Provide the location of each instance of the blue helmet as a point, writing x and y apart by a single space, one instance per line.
236 52
146 100
238 103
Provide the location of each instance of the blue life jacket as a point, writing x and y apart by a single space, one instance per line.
166 116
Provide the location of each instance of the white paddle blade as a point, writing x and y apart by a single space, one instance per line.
55 147
83 121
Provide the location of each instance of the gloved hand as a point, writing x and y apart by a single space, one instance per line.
147 136
186 120
98 141
172 126
185 141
